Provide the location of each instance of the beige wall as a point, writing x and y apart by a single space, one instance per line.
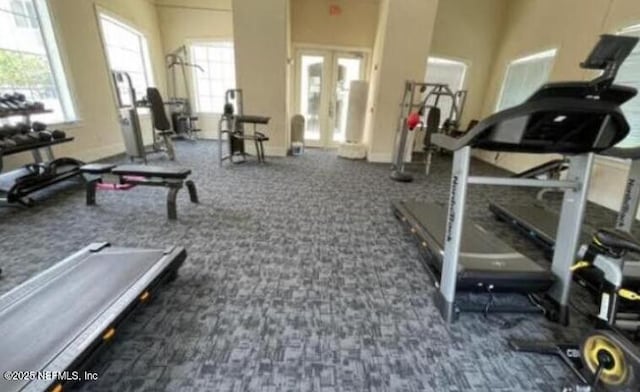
311 22
470 31
97 133
396 59
573 27
185 21
260 37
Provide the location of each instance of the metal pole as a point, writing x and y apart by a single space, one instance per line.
568 237
445 297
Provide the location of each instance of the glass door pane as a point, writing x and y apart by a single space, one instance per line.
311 82
347 69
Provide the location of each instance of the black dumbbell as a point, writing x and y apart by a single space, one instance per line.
21 139
34 136
9 104
35 106
44 136
38 126
9 142
15 98
23 128
8 131
58 134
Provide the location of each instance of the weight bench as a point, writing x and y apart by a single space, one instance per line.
173 178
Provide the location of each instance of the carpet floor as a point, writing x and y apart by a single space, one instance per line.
298 278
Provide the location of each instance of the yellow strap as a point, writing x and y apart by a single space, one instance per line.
579 265
628 294
57 388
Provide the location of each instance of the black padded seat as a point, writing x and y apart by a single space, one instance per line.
97 168
152 171
247 119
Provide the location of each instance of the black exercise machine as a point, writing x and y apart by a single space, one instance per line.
132 175
59 320
604 357
232 125
420 100
562 118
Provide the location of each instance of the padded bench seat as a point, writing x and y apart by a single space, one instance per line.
173 178
97 168
151 171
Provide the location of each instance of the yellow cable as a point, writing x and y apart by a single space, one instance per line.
579 265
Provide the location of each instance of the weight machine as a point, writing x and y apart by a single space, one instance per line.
130 122
182 117
232 124
421 109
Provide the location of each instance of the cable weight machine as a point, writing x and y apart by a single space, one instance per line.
182 118
420 110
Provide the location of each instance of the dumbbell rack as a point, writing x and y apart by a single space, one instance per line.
10 191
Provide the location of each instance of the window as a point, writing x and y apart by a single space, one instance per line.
127 51
219 75
29 60
629 75
524 76
449 72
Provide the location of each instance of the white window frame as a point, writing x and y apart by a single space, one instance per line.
55 62
549 53
145 56
635 31
194 72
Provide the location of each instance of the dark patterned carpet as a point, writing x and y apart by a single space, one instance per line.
299 278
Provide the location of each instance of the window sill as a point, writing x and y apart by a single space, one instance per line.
66 125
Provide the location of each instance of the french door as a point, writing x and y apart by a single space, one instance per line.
323 78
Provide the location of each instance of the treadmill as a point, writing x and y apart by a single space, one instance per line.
577 119
55 323
485 260
540 223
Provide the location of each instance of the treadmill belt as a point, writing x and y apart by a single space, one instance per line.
538 222
484 258
38 326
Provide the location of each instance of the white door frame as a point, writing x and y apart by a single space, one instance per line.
329 80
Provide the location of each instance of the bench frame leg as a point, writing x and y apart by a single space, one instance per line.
91 186
193 193
172 210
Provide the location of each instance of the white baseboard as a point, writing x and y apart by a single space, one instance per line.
381 157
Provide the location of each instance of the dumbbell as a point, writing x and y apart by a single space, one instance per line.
58 134
9 142
9 104
7 131
22 128
35 106
38 126
40 129
21 139
16 99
